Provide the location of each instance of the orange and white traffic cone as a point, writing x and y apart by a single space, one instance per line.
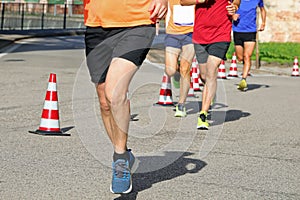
50 116
222 70
233 67
195 75
165 94
191 90
295 67
200 81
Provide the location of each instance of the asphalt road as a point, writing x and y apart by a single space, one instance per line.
250 152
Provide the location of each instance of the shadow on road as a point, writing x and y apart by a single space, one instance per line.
218 117
256 86
226 116
194 107
180 167
66 129
53 43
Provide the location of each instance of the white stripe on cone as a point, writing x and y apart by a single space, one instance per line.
165 85
50 105
49 123
51 86
165 99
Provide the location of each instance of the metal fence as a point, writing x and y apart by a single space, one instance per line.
26 16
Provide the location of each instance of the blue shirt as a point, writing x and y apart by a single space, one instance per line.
247 19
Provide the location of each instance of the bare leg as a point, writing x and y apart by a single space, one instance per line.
248 50
187 56
171 60
239 50
203 71
114 104
210 86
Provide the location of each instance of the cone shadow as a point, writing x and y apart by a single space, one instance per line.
62 132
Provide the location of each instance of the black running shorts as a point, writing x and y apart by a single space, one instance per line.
218 49
104 44
239 38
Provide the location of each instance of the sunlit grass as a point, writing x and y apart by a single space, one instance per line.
283 53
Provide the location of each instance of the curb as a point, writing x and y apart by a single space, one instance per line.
11 36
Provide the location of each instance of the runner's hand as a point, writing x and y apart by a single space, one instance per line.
235 17
262 27
158 9
231 8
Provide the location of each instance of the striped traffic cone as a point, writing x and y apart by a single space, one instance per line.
191 90
195 75
165 94
233 67
222 70
50 116
295 67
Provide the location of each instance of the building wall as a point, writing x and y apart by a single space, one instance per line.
283 21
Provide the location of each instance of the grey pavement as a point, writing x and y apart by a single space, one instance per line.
156 55
250 152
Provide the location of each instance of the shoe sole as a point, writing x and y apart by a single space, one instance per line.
242 89
179 115
202 128
125 192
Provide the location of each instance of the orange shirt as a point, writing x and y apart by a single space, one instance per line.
171 26
116 13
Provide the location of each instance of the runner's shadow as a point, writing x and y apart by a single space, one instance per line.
256 86
219 117
193 107
162 171
217 105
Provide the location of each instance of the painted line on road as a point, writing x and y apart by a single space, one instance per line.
159 66
14 46
10 49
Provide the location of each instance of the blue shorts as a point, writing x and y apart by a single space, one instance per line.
177 41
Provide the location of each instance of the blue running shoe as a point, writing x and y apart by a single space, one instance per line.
121 178
131 159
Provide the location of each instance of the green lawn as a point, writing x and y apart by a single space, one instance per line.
282 53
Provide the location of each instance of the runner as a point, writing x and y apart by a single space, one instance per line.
117 38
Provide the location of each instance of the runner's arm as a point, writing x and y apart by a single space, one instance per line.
263 14
191 2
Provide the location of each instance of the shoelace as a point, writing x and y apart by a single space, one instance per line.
180 107
121 169
202 117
